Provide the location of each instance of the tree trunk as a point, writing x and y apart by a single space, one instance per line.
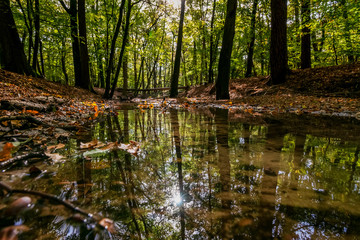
176 73
278 45
305 35
252 40
222 81
347 31
125 75
110 64
122 51
12 55
73 14
212 45
37 36
84 55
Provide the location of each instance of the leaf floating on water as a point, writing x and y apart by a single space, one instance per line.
17 206
131 148
5 154
54 156
11 232
108 224
87 145
58 146
91 145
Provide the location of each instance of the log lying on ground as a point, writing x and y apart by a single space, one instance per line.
20 105
36 121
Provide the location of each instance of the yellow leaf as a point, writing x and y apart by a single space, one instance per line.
5 154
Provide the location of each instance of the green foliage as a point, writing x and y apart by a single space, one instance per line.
152 40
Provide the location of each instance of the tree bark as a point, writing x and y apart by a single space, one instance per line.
37 37
123 46
212 45
278 45
222 81
305 35
73 14
84 54
176 73
347 31
110 64
252 40
12 55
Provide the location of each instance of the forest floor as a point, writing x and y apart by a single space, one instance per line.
333 91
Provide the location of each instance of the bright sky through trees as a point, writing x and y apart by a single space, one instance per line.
176 3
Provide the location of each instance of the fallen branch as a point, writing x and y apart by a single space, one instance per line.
35 121
21 158
102 222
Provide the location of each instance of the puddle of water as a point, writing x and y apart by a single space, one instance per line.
203 176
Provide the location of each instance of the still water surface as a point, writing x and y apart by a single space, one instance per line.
203 176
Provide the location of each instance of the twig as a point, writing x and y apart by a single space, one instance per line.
50 197
7 163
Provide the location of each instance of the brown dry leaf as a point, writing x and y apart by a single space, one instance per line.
88 145
5 154
108 224
54 156
58 146
132 148
109 146
11 232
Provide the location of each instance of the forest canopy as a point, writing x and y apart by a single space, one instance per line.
133 43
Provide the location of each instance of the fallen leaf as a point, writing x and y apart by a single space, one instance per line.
91 144
108 224
58 146
5 154
11 232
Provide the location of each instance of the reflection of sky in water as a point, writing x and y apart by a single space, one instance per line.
294 187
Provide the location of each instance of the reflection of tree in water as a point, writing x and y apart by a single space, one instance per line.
176 136
221 121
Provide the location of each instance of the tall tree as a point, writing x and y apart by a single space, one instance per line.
222 80
278 44
73 14
212 45
84 55
123 46
305 35
37 36
350 55
176 72
12 55
110 64
250 62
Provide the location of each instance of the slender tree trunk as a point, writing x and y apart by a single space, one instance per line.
110 64
125 75
212 45
222 81
63 63
347 31
42 60
305 35
252 40
37 36
12 55
278 45
176 72
122 51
